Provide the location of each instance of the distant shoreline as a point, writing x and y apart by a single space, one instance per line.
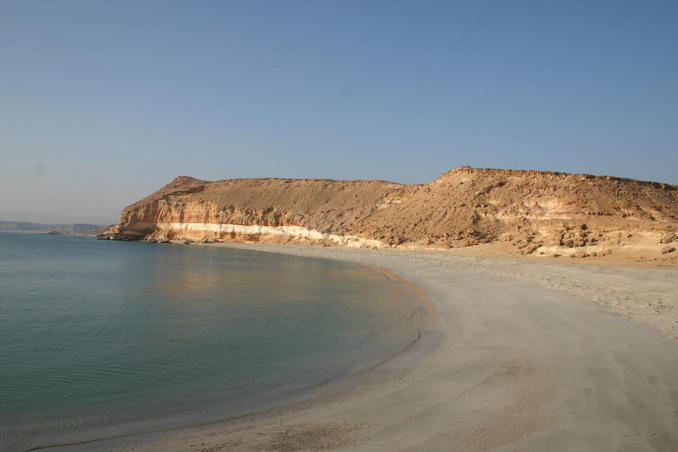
49 232
30 227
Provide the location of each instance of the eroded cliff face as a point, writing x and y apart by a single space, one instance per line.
534 211
281 210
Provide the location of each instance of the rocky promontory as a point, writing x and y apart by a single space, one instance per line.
531 212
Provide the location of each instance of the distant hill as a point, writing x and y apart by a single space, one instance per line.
27 226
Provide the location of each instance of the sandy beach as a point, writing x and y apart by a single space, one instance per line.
523 355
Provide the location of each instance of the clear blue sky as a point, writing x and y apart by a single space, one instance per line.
102 102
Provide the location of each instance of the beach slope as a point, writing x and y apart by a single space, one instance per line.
516 365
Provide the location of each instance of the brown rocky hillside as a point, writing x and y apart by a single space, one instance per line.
534 211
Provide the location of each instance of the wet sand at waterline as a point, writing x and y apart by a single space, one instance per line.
526 356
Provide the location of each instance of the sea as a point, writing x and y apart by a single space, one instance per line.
105 339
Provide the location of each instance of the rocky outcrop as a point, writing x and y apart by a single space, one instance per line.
534 211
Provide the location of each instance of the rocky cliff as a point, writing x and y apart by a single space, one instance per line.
533 211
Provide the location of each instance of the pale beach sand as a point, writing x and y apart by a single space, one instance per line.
523 356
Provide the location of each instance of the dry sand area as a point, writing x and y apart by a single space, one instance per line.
523 356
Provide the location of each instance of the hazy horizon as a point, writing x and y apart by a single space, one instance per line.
103 103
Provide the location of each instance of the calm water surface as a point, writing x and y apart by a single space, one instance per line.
102 338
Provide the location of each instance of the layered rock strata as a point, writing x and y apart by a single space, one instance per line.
533 211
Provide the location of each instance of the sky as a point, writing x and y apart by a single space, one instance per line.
103 102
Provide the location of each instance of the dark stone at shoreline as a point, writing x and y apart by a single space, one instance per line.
122 238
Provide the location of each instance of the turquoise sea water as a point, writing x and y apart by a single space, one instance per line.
101 338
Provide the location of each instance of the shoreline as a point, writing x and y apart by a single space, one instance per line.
422 317
642 292
519 364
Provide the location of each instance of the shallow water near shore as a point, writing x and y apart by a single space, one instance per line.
101 338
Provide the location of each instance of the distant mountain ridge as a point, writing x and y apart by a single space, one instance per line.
535 212
28 226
